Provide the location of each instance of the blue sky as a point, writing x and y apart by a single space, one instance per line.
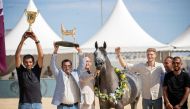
164 20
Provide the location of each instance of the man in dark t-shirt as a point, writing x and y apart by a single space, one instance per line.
29 75
176 86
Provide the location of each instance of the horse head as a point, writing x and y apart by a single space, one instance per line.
110 86
100 55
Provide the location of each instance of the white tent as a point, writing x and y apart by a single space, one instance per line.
183 41
42 30
122 30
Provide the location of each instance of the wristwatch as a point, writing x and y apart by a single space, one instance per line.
37 42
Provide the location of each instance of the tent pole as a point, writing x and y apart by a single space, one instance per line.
101 12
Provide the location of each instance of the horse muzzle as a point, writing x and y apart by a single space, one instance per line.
99 63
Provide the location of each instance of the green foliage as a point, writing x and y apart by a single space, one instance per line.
118 93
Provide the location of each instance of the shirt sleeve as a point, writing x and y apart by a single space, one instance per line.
135 67
37 70
19 69
82 63
163 68
166 79
187 80
53 65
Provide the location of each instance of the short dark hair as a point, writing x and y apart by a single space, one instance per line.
177 57
169 57
28 56
66 60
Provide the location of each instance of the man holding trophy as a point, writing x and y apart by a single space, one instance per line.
29 72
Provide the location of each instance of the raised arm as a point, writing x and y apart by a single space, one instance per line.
120 57
84 76
82 62
39 48
18 50
53 64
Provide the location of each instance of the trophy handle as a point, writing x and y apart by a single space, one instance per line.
37 13
25 12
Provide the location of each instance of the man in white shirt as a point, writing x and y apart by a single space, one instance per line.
67 94
152 74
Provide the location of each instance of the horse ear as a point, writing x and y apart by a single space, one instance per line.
96 45
104 45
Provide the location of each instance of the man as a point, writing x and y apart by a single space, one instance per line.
29 75
176 86
168 63
67 94
48 73
86 81
151 74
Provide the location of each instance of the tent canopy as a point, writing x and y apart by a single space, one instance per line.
123 31
182 41
42 30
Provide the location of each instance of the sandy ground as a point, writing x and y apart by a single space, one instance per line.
12 103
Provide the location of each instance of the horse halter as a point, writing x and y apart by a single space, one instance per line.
99 63
99 56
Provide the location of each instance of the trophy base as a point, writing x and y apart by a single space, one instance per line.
66 44
29 29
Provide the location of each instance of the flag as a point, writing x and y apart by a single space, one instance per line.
3 65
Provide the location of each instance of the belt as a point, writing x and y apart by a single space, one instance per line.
69 105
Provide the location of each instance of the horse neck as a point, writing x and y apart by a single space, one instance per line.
110 76
107 67
108 63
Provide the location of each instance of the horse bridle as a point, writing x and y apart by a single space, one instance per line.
99 63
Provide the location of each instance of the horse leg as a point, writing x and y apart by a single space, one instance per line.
119 105
134 104
104 105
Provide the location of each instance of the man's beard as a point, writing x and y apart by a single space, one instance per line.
176 69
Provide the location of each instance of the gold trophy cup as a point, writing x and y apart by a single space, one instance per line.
31 16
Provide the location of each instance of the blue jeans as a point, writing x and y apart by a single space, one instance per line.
66 107
152 104
30 106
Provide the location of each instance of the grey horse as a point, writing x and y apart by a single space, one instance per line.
108 81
